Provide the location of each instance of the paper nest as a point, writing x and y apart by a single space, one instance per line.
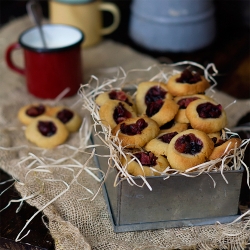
128 81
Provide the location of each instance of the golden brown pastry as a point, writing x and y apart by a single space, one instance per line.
114 112
224 147
188 149
173 126
68 117
136 132
46 132
207 116
28 113
159 145
119 95
148 92
151 165
183 102
187 83
162 111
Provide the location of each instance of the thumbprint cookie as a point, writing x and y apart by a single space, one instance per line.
68 117
187 83
28 113
188 149
159 145
148 92
136 132
114 112
207 116
224 147
162 111
119 95
150 164
46 132
183 102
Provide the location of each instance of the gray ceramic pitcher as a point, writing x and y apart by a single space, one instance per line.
172 25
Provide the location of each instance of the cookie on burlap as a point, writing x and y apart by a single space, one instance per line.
30 112
68 117
188 149
46 132
151 165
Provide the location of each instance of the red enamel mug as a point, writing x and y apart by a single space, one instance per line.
50 70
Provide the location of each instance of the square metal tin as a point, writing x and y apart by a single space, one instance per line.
176 202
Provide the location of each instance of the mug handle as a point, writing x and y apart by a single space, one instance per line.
8 58
113 9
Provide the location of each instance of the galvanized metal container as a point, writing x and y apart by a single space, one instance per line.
176 202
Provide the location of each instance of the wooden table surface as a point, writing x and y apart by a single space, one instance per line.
230 52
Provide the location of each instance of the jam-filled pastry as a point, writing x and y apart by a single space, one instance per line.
187 83
162 111
224 147
28 113
68 117
173 126
114 112
46 132
151 165
159 145
136 132
183 102
207 116
188 149
119 95
148 92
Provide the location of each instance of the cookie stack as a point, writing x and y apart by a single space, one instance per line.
47 126
167 125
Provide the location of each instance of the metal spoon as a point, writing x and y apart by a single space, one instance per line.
35 13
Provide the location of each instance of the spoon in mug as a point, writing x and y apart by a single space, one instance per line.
35 13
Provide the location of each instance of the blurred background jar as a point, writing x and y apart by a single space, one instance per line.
172 25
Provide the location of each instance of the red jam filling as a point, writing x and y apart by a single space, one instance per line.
46 128
119 95
121 114
209 110
135 128
183 103
35 111
167 137
154 107
167 125
146 158
188 76
64 115
155 93
188 144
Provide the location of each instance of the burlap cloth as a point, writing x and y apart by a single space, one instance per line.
58 182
